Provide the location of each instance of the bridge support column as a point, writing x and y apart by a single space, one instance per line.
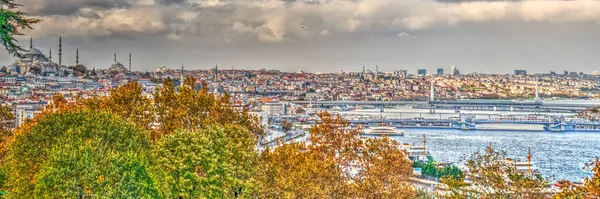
432 109
381 109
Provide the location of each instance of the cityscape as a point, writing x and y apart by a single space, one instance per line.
73 126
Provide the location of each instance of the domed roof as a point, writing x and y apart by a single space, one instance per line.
34 51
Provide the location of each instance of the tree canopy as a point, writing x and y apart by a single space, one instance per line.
79 154
216 162
12 22
492 176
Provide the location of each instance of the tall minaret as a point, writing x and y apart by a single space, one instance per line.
30 43
537 96
50 54
60 51
115 58
376 73
432 91
216 72
129 61
182 78
77 57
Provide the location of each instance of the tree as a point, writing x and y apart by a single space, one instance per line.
128 102
362 166
6 120
286 126
300 110
384 170
12 21
492 176
187 108
292 171
77 154
217 162
590 188
36 70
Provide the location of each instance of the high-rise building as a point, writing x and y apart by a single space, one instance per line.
566 73
454 71
440 71
520 72
422 72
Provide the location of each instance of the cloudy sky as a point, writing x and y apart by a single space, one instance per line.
323 35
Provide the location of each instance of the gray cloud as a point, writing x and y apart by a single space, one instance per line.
68 7
313 33
169 2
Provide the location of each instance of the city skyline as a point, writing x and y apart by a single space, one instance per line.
322 36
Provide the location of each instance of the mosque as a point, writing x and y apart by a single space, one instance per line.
35 62
117 67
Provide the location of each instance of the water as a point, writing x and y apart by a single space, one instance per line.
557 155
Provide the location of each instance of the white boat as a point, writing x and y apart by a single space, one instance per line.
383 130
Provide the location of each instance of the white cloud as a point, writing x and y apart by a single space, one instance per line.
403 34
277 20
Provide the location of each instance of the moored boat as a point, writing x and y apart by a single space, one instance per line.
383 130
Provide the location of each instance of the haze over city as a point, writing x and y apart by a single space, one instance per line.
322 35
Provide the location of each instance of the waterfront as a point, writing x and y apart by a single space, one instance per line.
557 155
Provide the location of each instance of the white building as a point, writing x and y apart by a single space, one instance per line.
273 108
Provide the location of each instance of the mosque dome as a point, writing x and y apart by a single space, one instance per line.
34 51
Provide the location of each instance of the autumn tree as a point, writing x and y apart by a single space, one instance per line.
361 165
384 170
130 103
188 108
292 171
12 22
492 176
6 120
590 189
77 154
216 162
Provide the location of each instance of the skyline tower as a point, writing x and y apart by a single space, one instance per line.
129 61
60 50
50 54
77 57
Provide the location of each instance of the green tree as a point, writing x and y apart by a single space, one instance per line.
492 176
217 162
7 119
12 21
77 154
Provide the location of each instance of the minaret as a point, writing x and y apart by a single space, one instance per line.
50 54
30 43
115 58
182 78
59 51
537 96
129 61
432 91
77 57
376 73
216 72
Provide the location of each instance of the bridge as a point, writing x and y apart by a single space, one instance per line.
470 122
538 106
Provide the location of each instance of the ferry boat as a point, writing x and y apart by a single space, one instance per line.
383 130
